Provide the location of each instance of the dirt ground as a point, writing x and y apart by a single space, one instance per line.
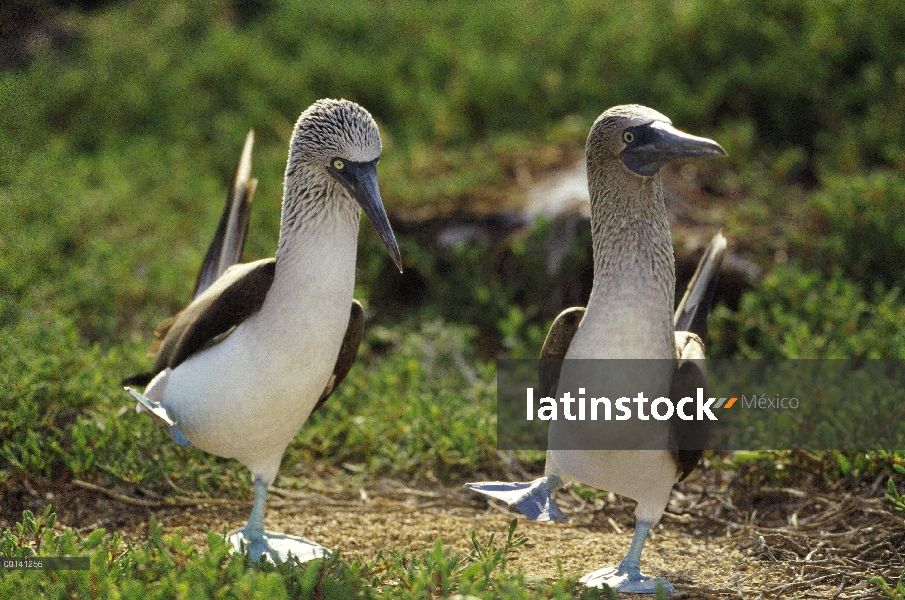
764 543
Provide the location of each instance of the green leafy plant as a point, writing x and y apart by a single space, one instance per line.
897 593
893 495
167 566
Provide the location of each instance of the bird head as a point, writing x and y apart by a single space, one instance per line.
643 141
337 141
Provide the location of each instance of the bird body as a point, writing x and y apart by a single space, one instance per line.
271 369
240 370
629 315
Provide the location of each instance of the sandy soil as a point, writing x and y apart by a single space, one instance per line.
766 543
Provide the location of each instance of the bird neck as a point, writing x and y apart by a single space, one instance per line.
633 256
315 259
312 202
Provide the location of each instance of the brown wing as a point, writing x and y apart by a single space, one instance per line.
555 347
183 334
347 352
688 438
234 297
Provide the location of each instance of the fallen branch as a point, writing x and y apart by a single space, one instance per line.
174 502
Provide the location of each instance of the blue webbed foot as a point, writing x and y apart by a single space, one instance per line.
275 546
532 498
627 577
626 580
160 416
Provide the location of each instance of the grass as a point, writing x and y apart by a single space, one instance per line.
165 566
119 128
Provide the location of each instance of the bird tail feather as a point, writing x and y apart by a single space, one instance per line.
226 248
691 315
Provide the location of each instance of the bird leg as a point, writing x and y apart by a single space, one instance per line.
258 542
627 577
160 416
532 498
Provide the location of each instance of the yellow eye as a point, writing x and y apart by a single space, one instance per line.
338 164
628 137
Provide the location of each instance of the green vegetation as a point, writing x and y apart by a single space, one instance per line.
168 567
120 125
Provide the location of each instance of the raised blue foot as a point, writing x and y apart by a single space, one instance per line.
532 499
160 416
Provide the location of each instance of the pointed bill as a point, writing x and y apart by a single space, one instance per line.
661 143
367 193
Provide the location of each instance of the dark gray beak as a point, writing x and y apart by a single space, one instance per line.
657 143
361 180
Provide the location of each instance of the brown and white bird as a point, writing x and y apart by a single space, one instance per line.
262 344
629 315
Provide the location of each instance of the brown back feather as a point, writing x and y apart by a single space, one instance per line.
234 297
347 352
688 438
556 344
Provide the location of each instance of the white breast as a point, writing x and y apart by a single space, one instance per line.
630 326
247 397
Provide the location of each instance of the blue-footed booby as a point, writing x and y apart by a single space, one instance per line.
629 315
262 344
